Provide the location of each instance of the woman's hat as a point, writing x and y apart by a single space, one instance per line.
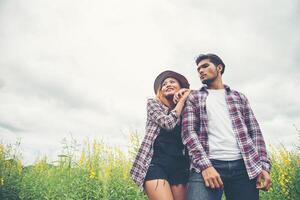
167 74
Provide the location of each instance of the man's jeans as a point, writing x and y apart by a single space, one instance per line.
237 185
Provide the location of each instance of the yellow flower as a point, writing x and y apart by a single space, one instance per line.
82 159
19 167
1 181
1 149
286 161
92 174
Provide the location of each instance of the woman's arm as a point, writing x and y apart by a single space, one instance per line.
156 112
180 97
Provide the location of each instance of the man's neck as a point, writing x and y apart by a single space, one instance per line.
216 85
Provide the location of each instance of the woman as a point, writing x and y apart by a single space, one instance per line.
161 166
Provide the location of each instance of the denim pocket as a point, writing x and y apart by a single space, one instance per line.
195 177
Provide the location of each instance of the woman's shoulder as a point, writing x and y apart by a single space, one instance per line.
153 102
151 99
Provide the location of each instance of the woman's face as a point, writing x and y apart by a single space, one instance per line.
169 87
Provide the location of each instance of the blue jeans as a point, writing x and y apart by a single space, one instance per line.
237 185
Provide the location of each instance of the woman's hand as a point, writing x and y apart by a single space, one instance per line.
179 99
182 94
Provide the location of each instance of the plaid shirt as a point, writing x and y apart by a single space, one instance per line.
245 127
158 116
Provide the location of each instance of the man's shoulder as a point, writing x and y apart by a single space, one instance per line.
238 94
195 94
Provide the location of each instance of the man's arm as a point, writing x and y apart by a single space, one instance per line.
263 180
199 158
190 126
256 135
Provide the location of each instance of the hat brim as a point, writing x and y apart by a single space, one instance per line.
167 74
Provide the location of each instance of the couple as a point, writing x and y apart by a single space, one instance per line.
200 143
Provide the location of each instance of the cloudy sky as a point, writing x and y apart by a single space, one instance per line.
85 68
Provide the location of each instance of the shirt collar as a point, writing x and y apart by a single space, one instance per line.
226 87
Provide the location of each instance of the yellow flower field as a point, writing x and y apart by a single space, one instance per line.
97 171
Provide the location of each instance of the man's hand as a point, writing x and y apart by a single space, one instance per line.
212 178
263 181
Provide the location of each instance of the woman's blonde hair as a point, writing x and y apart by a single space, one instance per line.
162 98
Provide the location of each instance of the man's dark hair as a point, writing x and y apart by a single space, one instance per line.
216 60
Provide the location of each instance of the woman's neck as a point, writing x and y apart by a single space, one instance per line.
171 104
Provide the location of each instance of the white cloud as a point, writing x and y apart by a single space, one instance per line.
87 67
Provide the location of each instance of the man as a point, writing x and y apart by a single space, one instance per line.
223 138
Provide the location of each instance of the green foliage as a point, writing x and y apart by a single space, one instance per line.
10 171
285 175
121 188
96 171
58 182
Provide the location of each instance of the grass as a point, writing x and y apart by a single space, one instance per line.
97 171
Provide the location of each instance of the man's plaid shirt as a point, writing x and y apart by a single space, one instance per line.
158 116
246 129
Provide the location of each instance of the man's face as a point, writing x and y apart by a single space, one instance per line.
208 72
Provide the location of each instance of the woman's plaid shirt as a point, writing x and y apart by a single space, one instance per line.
158 116
247 132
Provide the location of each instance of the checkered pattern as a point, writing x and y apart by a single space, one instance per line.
158 116
245 127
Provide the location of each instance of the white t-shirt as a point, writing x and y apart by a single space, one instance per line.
221 138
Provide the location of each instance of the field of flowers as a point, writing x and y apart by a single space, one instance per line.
94 170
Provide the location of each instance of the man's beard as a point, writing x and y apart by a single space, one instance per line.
209 81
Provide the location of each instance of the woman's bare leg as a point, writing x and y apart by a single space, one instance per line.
158 189
179 191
